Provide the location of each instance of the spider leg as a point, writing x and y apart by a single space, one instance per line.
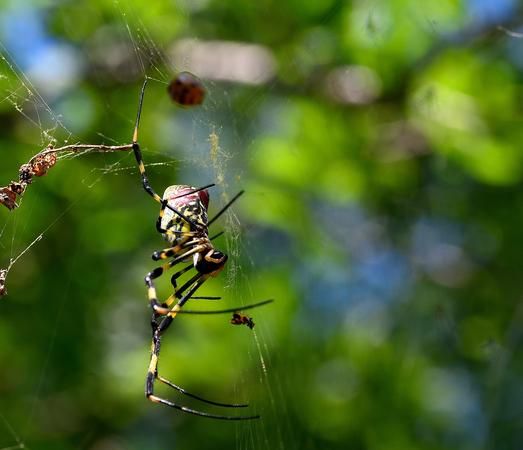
155 326
177 293
145 180
217 235
151 293
197 397
141 166
152 373
194 191
164 308
229 310
138 152
225 208
147 187
173 251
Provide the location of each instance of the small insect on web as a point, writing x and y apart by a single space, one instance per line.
242 319
186 90
183 222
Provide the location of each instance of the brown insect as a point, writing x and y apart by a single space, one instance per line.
242 319
186 89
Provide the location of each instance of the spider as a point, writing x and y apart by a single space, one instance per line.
183 222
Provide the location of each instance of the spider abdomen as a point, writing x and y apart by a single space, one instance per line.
192 205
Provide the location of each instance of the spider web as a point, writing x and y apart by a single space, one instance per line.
208 134
196 147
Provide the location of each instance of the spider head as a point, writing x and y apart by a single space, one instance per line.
211 263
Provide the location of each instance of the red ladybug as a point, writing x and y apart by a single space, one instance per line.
186 89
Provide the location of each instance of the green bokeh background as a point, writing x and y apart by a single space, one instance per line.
388 231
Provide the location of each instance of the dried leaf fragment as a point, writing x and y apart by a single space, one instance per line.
8 197
3 275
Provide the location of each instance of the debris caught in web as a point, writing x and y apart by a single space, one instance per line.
40 164
3 275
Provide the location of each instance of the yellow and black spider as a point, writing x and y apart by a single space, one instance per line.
184 224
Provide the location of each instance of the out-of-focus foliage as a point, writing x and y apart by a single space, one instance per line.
383 167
